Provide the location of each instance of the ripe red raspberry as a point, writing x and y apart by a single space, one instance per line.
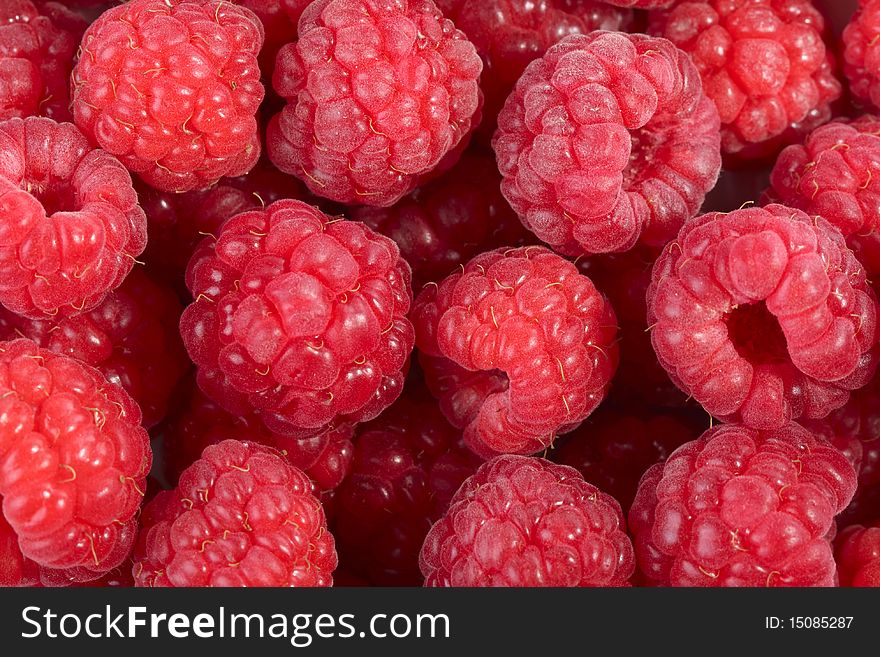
763 315
607 139
325 457
447 222
240 516
742 507
131 338
172 88
75 461
408 463
517 346
71 223
858 556
300 318
38 41
521 521
763 63
861 55
377 94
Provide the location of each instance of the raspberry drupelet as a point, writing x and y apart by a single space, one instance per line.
131 338
742 507
449 221
71 223
763 315
858 556
38 42
517 346
763 63
300 318
861 54
606 140
240 516
378 95
526 522
75 461
172 88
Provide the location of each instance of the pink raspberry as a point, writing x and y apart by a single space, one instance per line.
240 516
517 346
763 63
763 315
377 94
742 507
300 318
861 55
74 465
607 139
858 556
38 42
447 222
71 223
521 521
172 88
408 464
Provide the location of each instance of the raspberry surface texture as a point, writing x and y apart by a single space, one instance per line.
607 139
742 507
449 221
763 315
861 54
378 94
38 41
300 318
73 466
858 556
240 516
71 223
172 88
131 338
517 346
521 521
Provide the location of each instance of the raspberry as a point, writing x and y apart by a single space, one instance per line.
377 94
71 224
517 346
324 457
73 463
447 222
172 88
240 516
607 139
131 338
408 464
860 55
38 41
521 521
762 62
742 507
300 318
858 556
279 19
763 315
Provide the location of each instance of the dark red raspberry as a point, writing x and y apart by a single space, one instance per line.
172 88
131 338
607 139
763 315
858 556
240 516
279 18
521 521
447 222
742 507
613 448
861 55
300 318
70 223
377 94
763 63
38 41
325 457
408 464
73 463
517 346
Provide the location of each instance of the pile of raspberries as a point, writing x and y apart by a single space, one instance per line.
439 293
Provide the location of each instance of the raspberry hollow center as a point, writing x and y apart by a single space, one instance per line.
54 196
756 334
